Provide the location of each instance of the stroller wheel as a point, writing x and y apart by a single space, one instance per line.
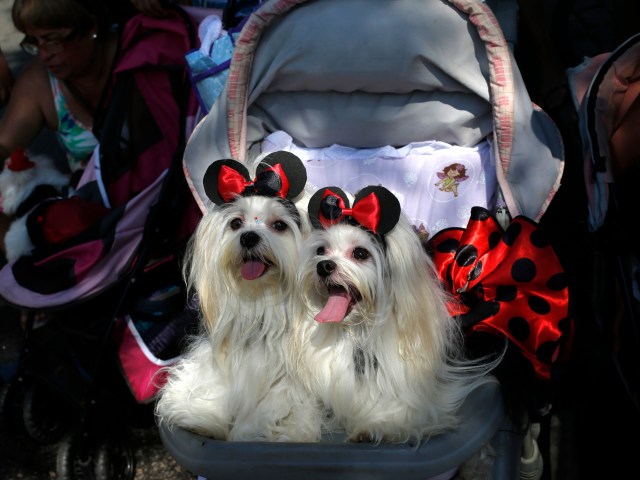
115 460
74 460
43 414
10 406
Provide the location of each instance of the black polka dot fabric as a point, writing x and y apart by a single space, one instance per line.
508 283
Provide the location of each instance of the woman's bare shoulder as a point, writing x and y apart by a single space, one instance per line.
33 88
30 105
35 78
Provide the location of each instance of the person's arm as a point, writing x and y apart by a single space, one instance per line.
6 79
24 115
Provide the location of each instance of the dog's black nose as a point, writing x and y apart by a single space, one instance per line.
325 267
249 239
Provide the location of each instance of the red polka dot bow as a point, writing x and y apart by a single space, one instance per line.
508 283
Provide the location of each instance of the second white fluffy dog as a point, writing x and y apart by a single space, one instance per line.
378 347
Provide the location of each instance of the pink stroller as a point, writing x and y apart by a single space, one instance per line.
108 276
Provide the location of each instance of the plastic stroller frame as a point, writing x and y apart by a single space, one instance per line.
483 420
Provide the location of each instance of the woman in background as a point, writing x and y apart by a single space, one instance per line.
74 49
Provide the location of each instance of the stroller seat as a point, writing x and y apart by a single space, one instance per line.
483 419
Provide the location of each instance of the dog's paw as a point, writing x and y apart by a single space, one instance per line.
363 437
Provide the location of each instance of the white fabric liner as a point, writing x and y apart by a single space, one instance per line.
413 173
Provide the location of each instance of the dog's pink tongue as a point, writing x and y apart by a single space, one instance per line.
252 269
336 307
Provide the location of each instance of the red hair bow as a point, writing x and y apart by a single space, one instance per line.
272 182
375 208
279 174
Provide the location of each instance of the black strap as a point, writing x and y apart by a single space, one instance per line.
39 194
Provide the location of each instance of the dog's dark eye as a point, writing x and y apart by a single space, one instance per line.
360 253
236 224
320 251
280 226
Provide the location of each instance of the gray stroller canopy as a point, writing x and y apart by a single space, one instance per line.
365 74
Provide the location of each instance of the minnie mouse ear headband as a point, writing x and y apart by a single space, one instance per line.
375 209
19 161
279 174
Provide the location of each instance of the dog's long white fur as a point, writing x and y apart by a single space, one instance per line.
233 382
393 369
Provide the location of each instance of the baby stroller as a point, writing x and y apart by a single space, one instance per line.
108 275
605 95
326 80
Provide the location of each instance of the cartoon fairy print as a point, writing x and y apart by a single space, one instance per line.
450 177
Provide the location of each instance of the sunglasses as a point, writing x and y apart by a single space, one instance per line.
31 46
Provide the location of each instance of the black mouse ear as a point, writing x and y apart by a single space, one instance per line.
326 207
295 173
382 206
224 180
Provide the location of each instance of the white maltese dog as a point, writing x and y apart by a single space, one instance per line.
233 382
378 345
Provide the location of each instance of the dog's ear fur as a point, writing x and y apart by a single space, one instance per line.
414 288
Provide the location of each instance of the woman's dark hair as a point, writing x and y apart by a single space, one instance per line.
77 14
